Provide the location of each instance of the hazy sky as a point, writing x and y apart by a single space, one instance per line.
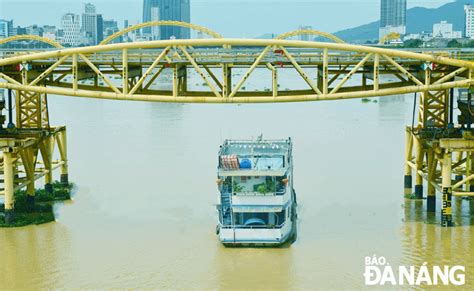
232 18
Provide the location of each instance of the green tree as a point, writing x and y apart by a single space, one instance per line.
413 43
469 44
453 43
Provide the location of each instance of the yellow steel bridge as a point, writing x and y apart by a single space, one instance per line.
330 70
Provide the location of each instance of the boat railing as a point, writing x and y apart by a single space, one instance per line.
227 189
253 193
277 193
253 226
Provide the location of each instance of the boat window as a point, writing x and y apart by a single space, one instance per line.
262 219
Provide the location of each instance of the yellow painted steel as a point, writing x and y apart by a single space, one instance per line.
239 100
162 23
310 32
46 146
8 174
32 107
21 155
431 191
61 139
91 56
31 37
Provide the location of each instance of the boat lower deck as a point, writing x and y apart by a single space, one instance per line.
235 237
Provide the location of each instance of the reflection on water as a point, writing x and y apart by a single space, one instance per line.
429 243
143 213
393 108
415 211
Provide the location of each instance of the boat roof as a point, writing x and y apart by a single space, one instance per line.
258 147
255 157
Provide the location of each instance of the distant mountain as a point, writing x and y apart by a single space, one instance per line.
418 19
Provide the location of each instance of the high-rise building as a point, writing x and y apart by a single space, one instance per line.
92 23
469 21
304 37
177 10
71 27
155 30
445 30
49 32
125 37
19 30
393 17
110 27
6 28
34 30
100 28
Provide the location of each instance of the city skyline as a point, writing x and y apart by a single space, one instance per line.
229 26
154 10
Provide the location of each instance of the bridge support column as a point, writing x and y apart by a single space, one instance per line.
408 157
458 160
431 197
62 145
28 158
275 82
227 79
419 167
31 194
470 171
320 77
447 191
46 147
175 82
182 79
8 176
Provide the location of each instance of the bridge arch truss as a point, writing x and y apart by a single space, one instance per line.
310 32
162 23
328 71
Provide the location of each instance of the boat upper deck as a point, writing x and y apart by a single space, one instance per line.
255 157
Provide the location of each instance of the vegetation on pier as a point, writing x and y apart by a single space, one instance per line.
43 208
410 196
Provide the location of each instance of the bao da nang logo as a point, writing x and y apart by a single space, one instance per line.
379 272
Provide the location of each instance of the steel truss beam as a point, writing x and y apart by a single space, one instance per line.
52 70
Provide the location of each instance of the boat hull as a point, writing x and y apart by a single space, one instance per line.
287 235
